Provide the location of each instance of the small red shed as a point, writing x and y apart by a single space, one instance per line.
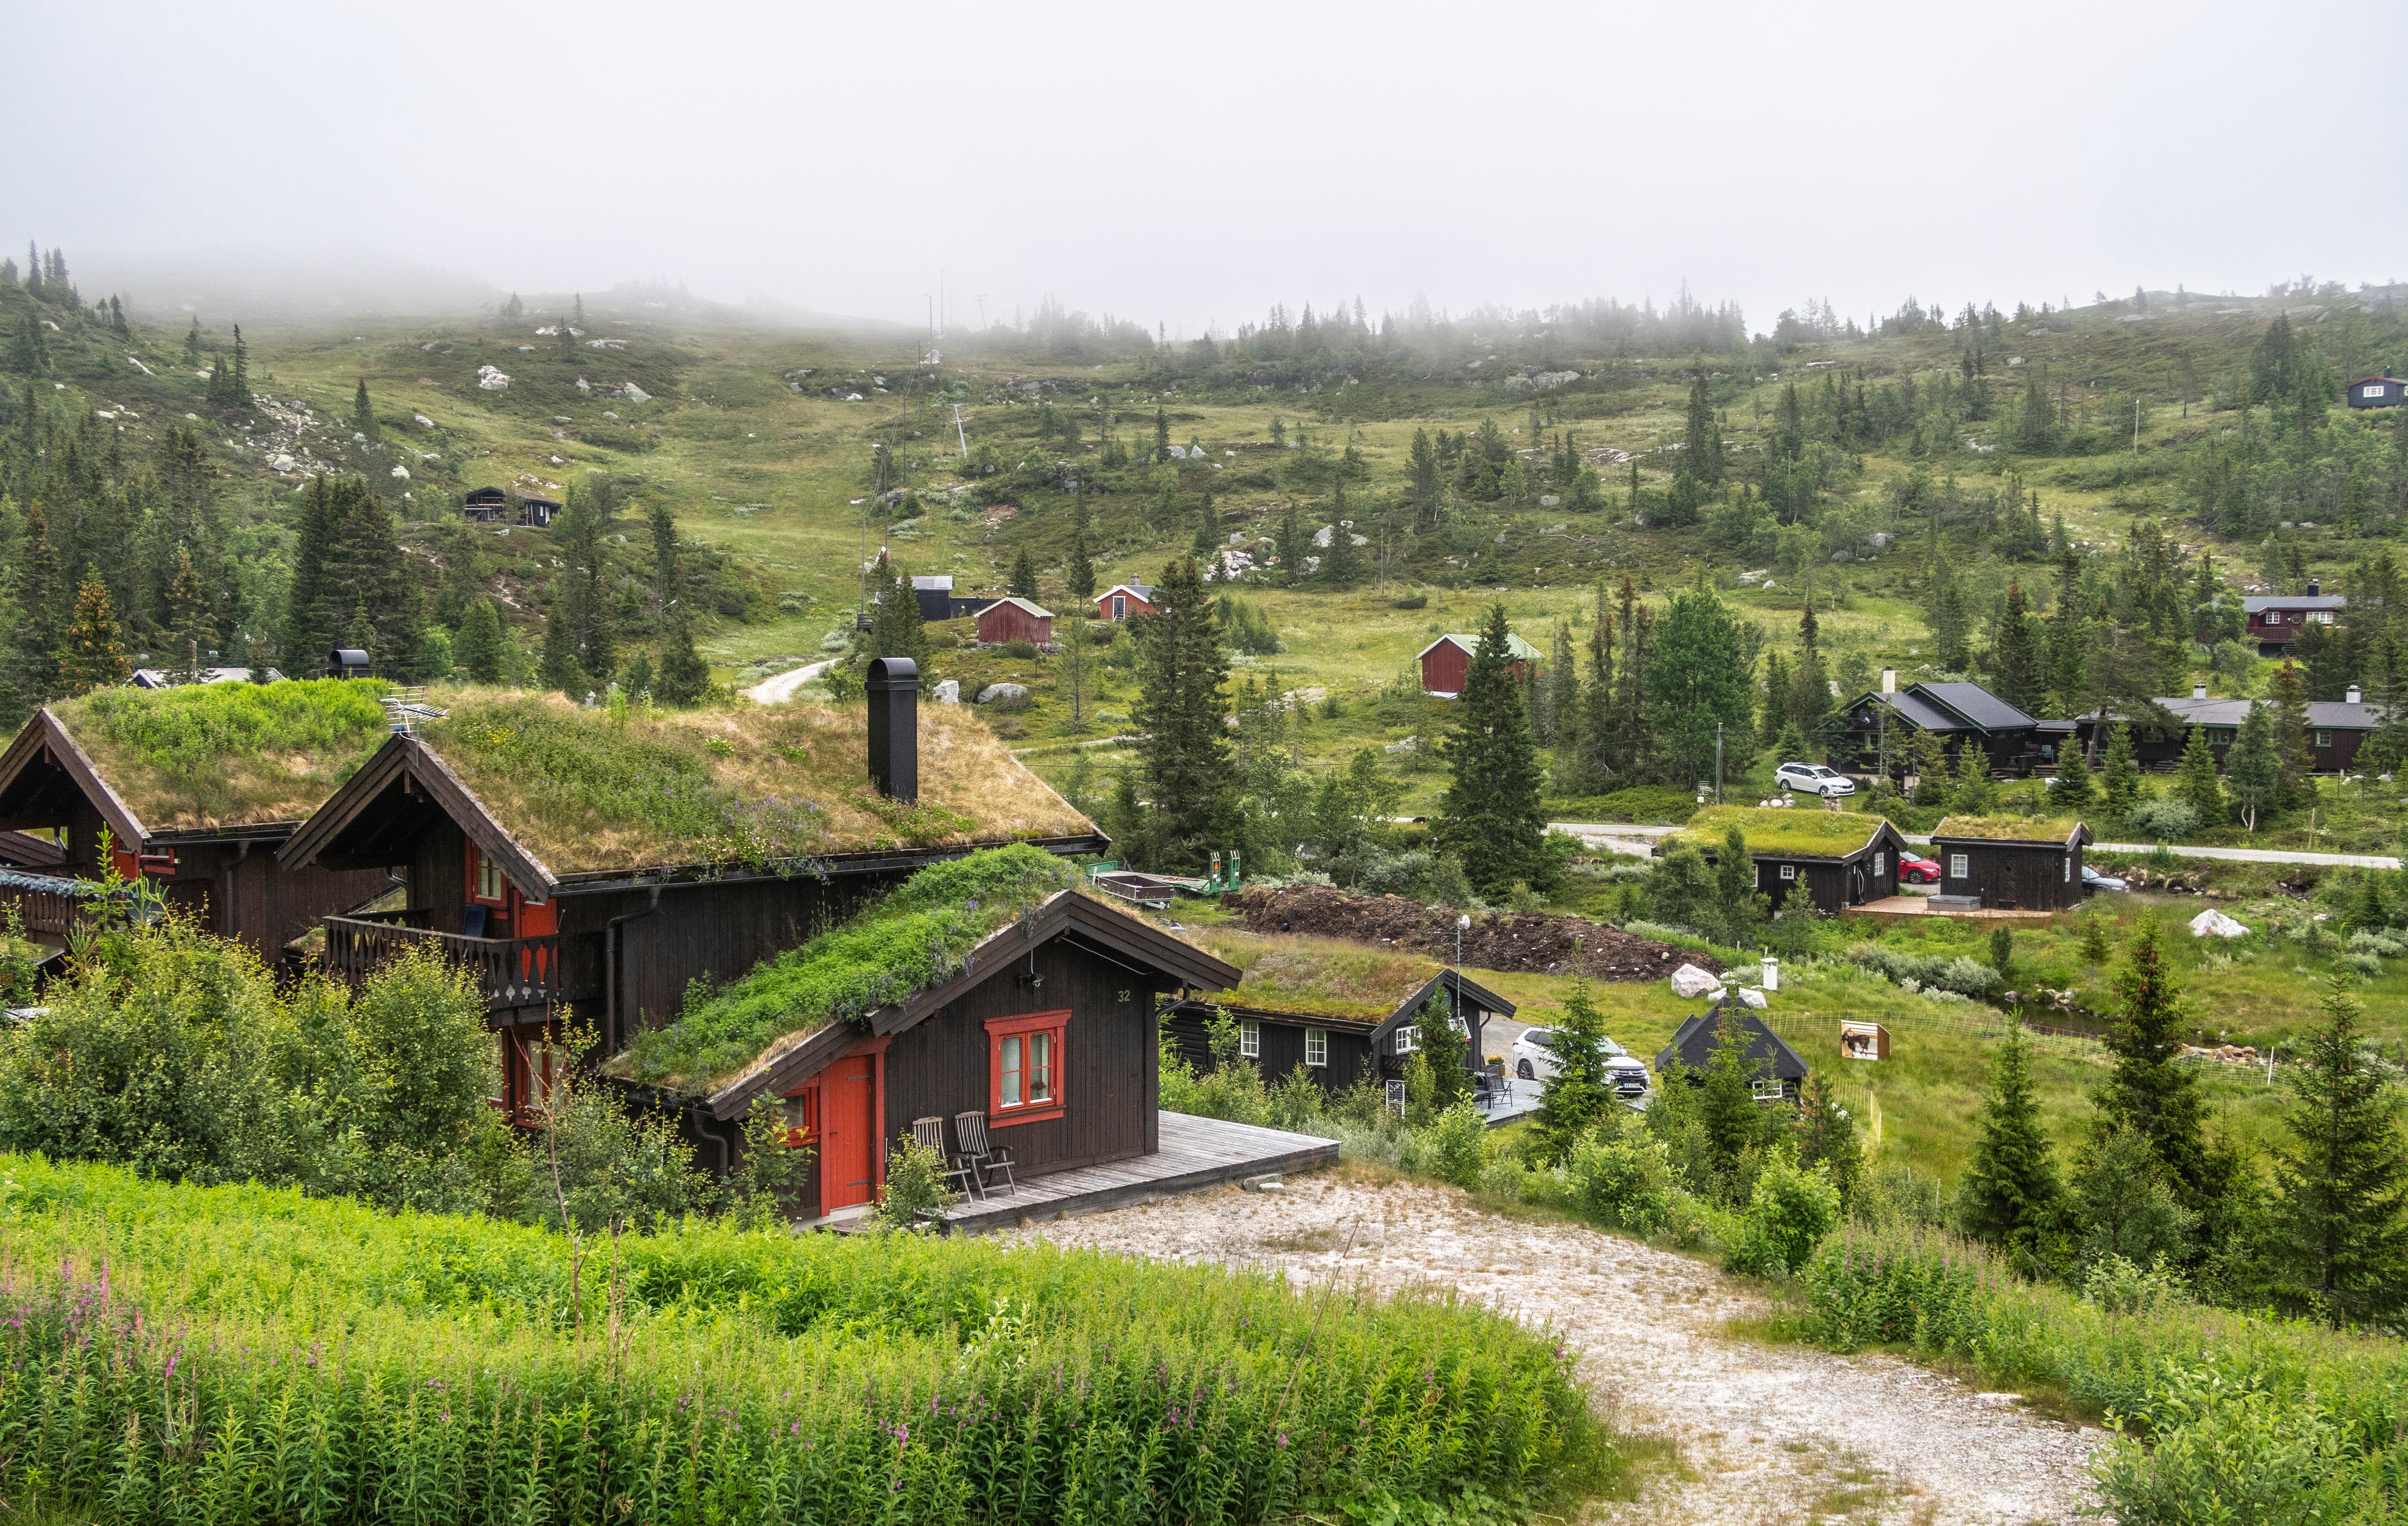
1015 620
1123 600
1446 663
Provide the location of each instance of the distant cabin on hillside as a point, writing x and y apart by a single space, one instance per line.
1446 663
485 506
1835 859
1123 600
537 513
1015 620
2384 391
2010 863
2276 620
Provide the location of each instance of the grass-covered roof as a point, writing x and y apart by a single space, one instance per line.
1781 831
1322 976
227 754
914 939
588 792
2054 830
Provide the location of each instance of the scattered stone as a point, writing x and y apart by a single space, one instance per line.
400 471
1690 982
1005 696
422 420
634 393
949 691
491 378
2214 923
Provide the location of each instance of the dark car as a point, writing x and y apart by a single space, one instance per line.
1916 870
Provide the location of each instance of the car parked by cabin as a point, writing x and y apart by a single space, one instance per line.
1808 778
1916 871
1535 1059
2093 881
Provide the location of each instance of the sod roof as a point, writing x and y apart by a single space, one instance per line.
202 756
1319 977
2052 830
586 792
1780 832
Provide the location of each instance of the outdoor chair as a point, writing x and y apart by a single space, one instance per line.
982 1153
930 1132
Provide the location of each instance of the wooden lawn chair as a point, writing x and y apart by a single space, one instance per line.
930 1132
983 1152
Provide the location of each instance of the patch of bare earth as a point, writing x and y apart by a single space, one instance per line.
1764 1434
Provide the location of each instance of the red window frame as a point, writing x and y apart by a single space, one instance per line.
802 1115
477 863
1034 1030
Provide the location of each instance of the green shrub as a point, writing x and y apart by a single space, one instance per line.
1025 650
1457 1144
915 1184
1788 1213
1622 1179
1961 975
2164 819
251 1356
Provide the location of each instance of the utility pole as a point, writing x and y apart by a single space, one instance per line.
1718 762
958 433
2136 423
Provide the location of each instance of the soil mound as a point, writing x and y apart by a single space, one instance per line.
1515 942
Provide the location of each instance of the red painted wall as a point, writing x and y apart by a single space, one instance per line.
1000 622
1445 667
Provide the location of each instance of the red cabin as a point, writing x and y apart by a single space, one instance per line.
1015 620
1446 663
1123 600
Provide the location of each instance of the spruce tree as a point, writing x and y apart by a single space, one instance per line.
2196 784
2339 1241
1161 436
894 626
1734 1121
478 651
1290 546
239 380
93 656
2017 660
1740 905
1489 817
1561 688
1342 565
2288 720
1208 534
364 420
2253 770
36 587
1023 577
665 554
685 676
193 344
1951 627
2119 773
187 617
2149 1091
558 667
1596 737
1443 1049
2073 789
585 599
2011 1195
1572 1099
1078 573
1827 1136
1185 755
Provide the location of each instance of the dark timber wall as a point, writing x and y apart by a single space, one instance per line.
2045 876
1282 1042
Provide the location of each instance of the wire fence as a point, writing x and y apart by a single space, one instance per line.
1804 1027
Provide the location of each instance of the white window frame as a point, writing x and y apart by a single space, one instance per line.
1407 1040
1767 1091
1790 871
1316 1046
1959 866
2069 868
1250 1038
1881 864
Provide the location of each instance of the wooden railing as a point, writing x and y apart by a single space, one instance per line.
511 972
49 915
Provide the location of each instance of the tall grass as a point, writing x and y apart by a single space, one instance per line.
2221 1417
243 1354
228 749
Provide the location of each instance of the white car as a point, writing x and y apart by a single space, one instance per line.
1534 1060
1814 780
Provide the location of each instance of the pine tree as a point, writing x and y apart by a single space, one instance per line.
95 653
1023 577
585 602
685 676
36 587
2073 789
187 617
894 626
2119 774
193 344
1827 1136
364 418
2011 1195
1342 566
1577 1094
2149 1091
558 667
2197 783
2340 1240
478 651
2288 720
1182 666
1489 817
2015 659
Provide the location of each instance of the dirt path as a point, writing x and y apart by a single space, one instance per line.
777 690
1764 1434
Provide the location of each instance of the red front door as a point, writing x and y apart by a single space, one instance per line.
848 1132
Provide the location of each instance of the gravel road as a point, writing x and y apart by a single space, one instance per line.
1764 1434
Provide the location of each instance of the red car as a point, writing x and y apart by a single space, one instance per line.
1916 871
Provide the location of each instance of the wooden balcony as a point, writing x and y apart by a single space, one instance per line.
511 972
52 916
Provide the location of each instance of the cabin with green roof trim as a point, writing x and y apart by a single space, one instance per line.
2011 864
1836 859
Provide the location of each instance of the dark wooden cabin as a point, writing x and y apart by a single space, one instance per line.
1835 859
485 506
1048 1027
1882 724
612 924
537 512
2011 864
220 868
2384 391
1778 1073
1337 1048
2276 620
2336 729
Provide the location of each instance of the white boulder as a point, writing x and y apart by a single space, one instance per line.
949 691
491 378
2213 923
402 471
422 420
1690 982
634 393
1004 696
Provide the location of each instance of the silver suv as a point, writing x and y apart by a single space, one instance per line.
1814 780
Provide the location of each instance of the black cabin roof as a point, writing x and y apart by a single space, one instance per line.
1693 1045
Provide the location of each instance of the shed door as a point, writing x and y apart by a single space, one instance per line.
848 1132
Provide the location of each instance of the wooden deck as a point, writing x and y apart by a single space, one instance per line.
1920 905
1196 1153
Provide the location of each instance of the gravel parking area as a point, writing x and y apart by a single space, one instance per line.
1764 1434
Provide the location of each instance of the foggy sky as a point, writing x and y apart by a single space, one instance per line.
1193 164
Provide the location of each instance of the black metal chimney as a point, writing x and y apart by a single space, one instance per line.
2315 588
894 727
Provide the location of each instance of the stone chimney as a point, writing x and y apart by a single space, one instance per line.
894 727
2198 691
2355 696
1889 680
